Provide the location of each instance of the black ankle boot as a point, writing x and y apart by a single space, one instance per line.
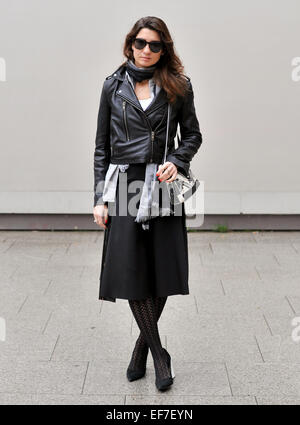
134 373
164 383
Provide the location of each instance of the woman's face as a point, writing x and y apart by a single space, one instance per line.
145 57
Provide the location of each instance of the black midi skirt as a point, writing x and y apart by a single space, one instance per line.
138 263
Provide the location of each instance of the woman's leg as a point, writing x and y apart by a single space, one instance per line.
144 312
140 352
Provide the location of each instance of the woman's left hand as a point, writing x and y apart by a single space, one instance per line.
167 172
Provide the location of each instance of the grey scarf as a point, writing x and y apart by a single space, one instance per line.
149 207
149 204
139 74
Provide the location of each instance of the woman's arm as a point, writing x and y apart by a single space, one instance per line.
102 146
191 137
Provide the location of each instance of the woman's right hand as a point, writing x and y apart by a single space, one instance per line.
101 215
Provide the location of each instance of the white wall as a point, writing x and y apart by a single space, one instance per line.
238 54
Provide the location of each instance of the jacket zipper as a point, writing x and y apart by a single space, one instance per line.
152 140
133 104
125 119
153 133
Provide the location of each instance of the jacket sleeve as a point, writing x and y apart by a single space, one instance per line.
191 137
102 146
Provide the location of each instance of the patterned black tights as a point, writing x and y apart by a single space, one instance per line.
146 313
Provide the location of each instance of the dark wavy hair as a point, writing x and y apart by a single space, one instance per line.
169 69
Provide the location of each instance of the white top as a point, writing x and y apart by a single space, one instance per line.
145 102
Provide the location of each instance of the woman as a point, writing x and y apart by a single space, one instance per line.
145 255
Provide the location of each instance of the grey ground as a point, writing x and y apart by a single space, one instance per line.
230 339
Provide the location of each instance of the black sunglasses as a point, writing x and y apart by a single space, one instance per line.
155 46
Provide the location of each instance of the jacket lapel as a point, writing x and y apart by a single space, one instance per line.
159 100
126 91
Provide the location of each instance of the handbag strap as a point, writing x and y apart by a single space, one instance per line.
167 134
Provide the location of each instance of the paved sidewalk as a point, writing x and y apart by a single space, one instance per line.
230 339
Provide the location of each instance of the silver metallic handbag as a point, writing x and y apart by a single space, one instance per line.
182 188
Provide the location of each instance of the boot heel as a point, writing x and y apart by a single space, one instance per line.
163 384
172 369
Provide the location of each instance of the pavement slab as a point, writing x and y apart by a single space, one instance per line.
234 339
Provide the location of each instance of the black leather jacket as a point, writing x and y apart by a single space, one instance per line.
128 134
